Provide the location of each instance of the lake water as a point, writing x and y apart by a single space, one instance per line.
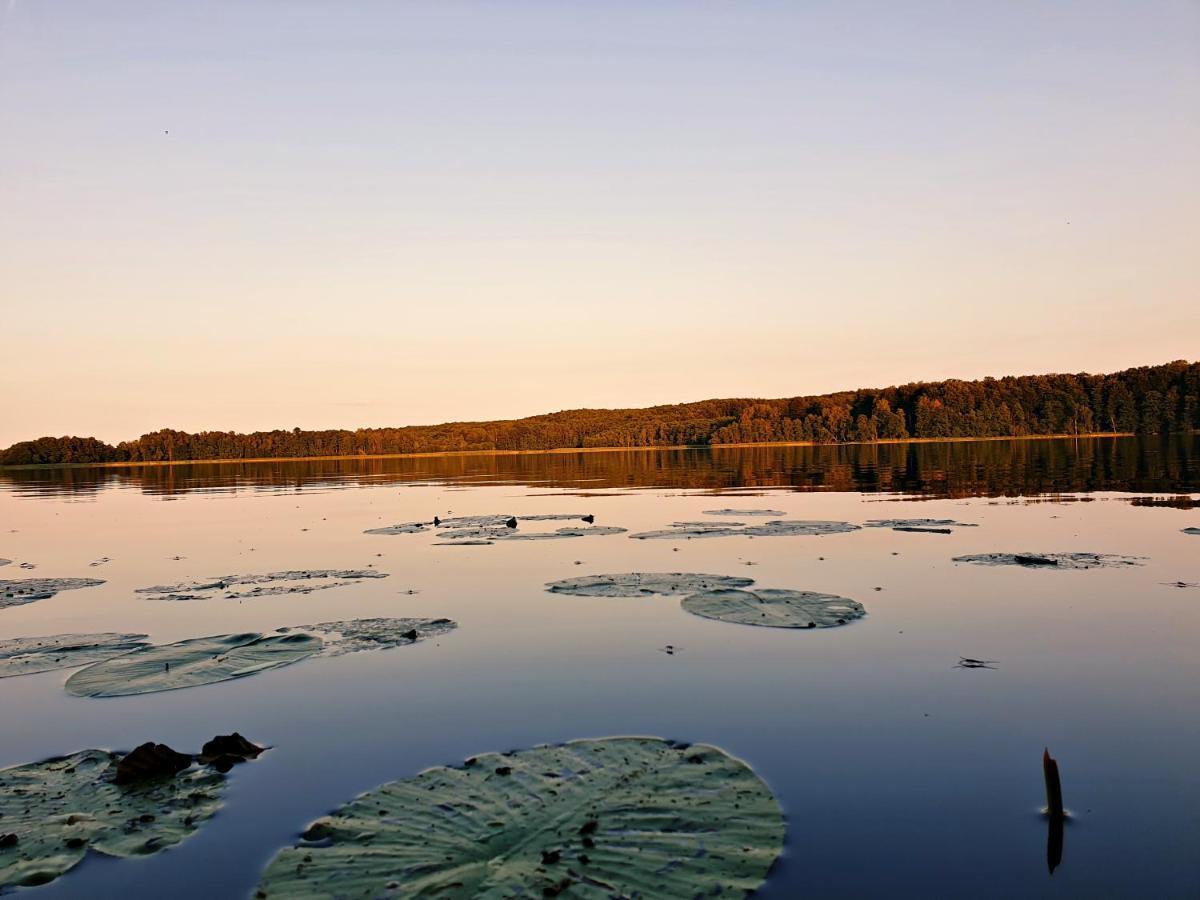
899 774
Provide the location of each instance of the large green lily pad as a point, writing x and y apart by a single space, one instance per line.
775 608
59 809
617 817
190 663
1030 560
26 590
28 655
637 584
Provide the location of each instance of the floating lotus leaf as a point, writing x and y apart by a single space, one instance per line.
687 534
917 523
59 809
1052 560
354 635
1191 531
618 817
190 663
26 656
27 590
636 584
502 533
474 521
237 587
774 608
788 527
403 528
707 525
556 517
744 512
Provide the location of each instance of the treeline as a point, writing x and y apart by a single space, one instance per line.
1154 399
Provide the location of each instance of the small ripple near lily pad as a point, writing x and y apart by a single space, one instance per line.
1032 560
774 608
614 817
637 584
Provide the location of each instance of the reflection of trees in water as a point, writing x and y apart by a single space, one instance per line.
950 469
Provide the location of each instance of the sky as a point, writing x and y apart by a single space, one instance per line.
257 214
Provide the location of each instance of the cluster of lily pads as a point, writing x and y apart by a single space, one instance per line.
726 598
488 529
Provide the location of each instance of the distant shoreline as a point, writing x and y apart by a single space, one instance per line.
565 450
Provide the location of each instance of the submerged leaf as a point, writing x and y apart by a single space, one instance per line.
29 655
774 608
189 663
636 584
617 817
26 590
59 809
1052 560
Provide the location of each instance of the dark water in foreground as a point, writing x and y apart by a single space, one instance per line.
899 774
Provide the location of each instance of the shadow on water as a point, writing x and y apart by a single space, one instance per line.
1006 468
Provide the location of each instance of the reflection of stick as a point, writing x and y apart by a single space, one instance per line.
1054 801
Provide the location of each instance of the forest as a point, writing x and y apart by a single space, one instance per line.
1149 399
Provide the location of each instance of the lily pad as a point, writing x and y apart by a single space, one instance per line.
708 525
917 524
617 817
354 635
27 590
687 534
1191 531
788 527
26 656
744 512
557 517
475 521
774 608
190 663
686 531
511 534
402 528
237 587
58 810
637 584
1052 560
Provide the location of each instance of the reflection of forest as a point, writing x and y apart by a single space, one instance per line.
947 469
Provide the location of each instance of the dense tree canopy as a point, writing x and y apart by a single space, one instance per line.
1149 399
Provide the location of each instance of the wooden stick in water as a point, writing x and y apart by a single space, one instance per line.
1054 801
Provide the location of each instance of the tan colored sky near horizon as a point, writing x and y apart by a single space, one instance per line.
253 216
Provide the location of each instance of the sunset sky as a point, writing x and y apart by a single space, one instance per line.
253 215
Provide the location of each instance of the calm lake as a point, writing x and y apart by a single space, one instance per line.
899 773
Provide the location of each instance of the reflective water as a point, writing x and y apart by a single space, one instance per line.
900 774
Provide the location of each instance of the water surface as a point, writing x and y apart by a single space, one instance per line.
899 774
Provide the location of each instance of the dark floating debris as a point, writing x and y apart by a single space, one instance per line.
53 813
1053 560
616 817
966 662
27 590
1181 584
30 655
1191 531
240 587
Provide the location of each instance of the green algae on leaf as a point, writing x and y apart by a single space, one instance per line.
58 810
774 608
353 635
637 584
615 817
27 590
29 655
190 663
1031 560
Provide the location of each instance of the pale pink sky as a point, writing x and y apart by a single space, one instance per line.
257 215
